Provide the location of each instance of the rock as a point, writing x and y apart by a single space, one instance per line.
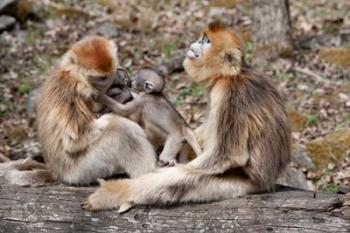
330 149
344 190
294 178
19 9
214 11
343 98
108 30
6 5
6 23
32 101
303 87
301 158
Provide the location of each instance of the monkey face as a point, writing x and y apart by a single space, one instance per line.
198 48
218 53
101 82
148 80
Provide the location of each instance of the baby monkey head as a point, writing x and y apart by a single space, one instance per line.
148 80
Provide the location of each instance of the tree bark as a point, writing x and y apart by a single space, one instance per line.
58 209
272 31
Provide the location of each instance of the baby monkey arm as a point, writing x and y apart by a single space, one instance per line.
124 110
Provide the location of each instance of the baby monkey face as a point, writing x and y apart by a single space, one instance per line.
198 48
147 80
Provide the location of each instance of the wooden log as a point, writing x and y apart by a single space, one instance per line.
58 209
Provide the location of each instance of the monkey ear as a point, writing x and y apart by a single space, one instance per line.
233 56
148 87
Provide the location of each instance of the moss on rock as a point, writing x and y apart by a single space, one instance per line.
298 120
331 149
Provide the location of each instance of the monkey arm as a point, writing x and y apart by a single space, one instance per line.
124 110
199 132
221 154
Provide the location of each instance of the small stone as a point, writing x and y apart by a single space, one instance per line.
294 178
344 190
214 11
108 30
323 114
301 157
6 23
303 87
343 97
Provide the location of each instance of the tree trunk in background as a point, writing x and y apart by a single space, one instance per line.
272 31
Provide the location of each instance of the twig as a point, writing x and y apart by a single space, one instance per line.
310 73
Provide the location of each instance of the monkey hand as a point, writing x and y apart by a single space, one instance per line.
165 163
110 195
97 97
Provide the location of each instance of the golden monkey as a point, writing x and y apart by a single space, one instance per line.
246 135
162 122
77 146
28 172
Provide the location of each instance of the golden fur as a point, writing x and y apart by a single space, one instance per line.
246 135
78 147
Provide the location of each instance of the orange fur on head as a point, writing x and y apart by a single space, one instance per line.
223 58
96 53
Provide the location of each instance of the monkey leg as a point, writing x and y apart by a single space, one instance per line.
172 146
169 186
192 140
122 148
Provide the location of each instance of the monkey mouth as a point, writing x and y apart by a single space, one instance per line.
192 54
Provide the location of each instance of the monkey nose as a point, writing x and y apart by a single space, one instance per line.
192 54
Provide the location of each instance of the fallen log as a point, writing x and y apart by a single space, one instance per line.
58 209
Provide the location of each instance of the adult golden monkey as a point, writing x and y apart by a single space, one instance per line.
246 135
79 147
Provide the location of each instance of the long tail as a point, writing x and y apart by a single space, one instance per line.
185 184
26 172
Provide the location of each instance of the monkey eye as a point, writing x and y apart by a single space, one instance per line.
205 40
148 87
102 77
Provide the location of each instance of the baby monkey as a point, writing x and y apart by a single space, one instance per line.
117 88
162 122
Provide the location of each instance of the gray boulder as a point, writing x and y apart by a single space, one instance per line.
6 23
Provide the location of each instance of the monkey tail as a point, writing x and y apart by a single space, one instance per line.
185 184
27 172
192 140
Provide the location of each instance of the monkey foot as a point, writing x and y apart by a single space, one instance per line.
111 195
162 163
